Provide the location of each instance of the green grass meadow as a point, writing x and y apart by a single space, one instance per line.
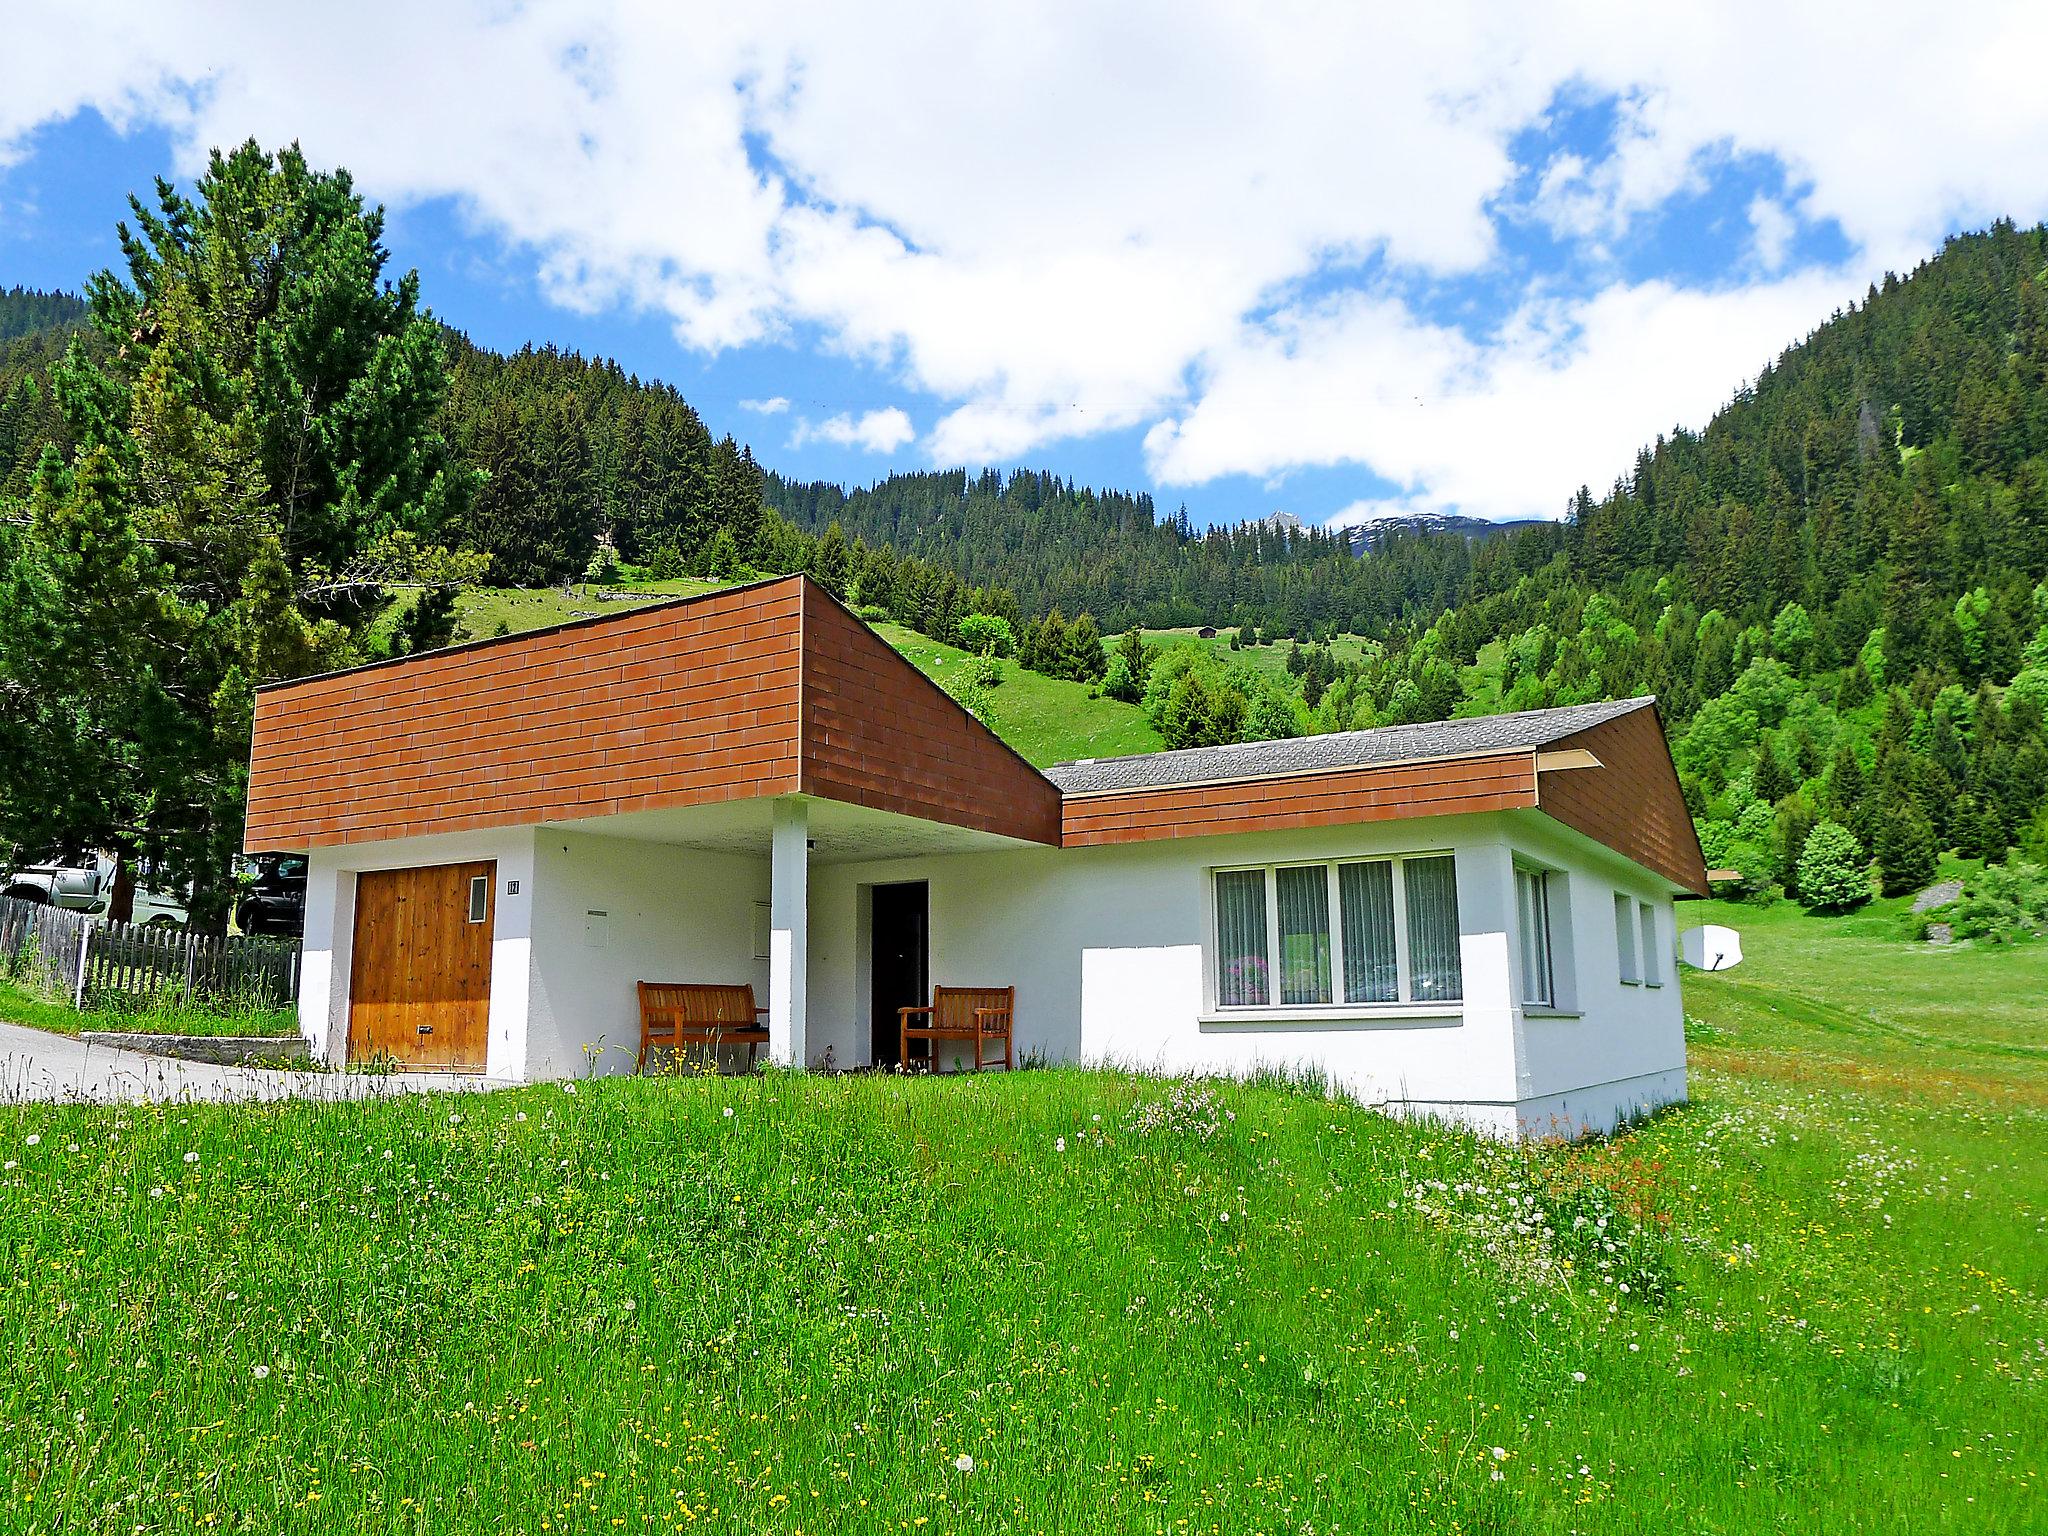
1811 1300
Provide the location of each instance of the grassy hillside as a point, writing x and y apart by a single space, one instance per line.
1813 1299
1047 719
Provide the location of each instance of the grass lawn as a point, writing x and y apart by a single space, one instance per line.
1047 719
1264 660
24 1005
483 612
1815 1299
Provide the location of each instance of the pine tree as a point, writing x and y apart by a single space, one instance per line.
1906 852
265 404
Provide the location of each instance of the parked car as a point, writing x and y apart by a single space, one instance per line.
78 884
274 900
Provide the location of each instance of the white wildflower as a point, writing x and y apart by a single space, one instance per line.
1060 1145
191 1157
260 1372
32 1141
963 1463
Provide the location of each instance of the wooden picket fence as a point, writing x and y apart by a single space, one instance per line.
87 959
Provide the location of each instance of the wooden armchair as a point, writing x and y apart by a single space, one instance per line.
679 1013
984 1016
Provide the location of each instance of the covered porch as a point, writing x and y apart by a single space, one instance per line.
727 895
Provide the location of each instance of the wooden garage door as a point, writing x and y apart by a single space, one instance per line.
420 980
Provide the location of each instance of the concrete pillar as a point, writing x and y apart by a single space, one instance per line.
1486 914
789 941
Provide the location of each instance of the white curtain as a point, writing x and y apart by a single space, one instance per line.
1304 900
1435 973
1365 894
1533 912
1241 980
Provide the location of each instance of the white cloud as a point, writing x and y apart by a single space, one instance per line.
1562 398
1059 218
774 405
1772 228
882 431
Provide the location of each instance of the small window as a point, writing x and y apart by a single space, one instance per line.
1625 938
479 898
1653 967
1532 916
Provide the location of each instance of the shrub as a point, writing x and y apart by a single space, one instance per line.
1119 682
2003 902
1833 875
985 671
604 563
987 634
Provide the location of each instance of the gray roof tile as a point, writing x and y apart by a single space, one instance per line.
1344 749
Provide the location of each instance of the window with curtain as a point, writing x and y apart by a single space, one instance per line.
1241 977
1372 968
1360 931
1436 975
1653 970
1304 904
1532 921
1625 937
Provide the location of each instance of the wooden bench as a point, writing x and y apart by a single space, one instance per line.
679 1013
981 1015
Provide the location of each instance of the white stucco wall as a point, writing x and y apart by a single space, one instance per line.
669 914
1106 947
1612 1049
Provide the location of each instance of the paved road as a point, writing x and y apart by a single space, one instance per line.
36 1065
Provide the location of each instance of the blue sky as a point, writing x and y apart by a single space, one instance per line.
1344 263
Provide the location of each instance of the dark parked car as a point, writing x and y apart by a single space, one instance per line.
275 899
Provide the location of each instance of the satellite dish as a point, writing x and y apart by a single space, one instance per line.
1710 947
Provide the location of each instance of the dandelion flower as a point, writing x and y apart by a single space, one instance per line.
963 1462
728 1111
1499 1453
260 1372
1060 1145
1224 1218
32 1141
455 1119
1578 1375
191 1157
520 1117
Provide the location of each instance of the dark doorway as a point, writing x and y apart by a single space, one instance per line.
896 962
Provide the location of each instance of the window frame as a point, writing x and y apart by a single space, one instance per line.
1404 1002
1539 876
1650 930
1627 934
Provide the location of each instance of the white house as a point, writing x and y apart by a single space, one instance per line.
1470 919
